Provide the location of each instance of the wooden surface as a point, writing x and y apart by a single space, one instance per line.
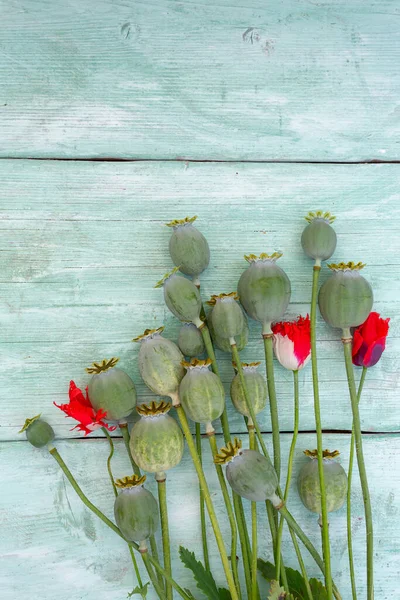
270 91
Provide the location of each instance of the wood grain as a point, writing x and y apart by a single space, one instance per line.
293 80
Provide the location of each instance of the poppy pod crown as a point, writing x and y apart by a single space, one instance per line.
320 214
247 367
154 409
181 222
228 452
102 366
196 363
326 454
131 481
149 334
166 277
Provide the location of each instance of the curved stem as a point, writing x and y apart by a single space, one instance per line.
123 427
208 501
162 500
252 444
229 510
317 412
273 405
159 589
349 480
361 465
202 506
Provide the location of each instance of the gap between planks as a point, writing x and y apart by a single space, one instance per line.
368 161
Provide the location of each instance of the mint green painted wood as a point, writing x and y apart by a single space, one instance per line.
84 243
228 79
52 546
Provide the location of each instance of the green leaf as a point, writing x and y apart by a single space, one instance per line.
140 590
224 594
189 593
295 580
205 581
278 593
318 590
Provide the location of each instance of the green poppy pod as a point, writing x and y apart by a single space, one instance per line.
135 509
256 386
201 392
38 432
188 247
190 340
249 473
156 441
227 315
160 362
111 390
264 289
224 343
345 299
335 482
182 297
319 238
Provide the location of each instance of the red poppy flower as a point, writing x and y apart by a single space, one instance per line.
369 340
79 408
292 342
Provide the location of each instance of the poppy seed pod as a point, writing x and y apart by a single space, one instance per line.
190 340
201 392
160 362
345 299
224 343
38 432
335 482
264 289
156 440
111 390
319 238
249 473
135 509
256 386
188 247
182 297
227 316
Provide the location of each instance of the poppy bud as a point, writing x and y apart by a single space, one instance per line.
111 390
201 392
256 386
249 473
227 316
160 362
38 432
135 509
188 247
319 238
190 340
335 482
182 297
156 441
292 343
345 299
264 289
369 340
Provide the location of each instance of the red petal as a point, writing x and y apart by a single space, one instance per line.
76 394
357 342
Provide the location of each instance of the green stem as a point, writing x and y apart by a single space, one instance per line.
154 552
202 506
209 504
254 587
162 500
317 412
159 589
273 405
361 464
244 543
133 557
301 565
349 480
55 454
272 525
125 434
229 510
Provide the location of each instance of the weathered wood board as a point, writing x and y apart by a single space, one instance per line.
292 80
84 243
53 546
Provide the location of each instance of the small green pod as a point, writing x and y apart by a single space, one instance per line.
201 392
335 482
156 440
345 299
188 247
224 343
264 289
190 340
111 390
319 238
38 432
160 362
182 297
135 509
227 315
256 386
249 473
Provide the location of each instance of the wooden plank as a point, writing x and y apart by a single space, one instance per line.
52 546
84 243
294 80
